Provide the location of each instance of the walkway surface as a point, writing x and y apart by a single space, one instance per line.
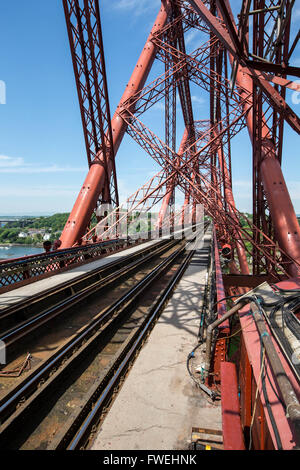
25 292
158 405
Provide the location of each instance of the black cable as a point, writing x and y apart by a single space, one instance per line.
188 367
190 356
291 301
263 382
287 318
227 298
287 305
270 413
274 390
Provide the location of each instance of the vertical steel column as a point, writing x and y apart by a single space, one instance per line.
170 127
95 180
281 208
231 208
168 196
86 44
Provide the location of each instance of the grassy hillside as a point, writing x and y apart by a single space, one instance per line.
33 229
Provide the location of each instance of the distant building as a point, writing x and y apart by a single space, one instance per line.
36 231
33 232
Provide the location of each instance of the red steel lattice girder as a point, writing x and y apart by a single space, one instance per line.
85 37
203 171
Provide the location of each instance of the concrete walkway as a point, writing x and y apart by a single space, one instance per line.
25 292
159 404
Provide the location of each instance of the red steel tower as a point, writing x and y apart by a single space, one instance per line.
244 69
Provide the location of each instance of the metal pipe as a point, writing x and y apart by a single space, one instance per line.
286 389
213 326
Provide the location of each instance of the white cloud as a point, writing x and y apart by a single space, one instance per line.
242 184
36 199
295 14
37 192
190 36
18 165
296 61
197 100
159 106
137 7
294 190
48 169
10 162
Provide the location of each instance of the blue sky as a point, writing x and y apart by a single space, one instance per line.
42 154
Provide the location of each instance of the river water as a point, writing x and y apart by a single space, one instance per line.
9 252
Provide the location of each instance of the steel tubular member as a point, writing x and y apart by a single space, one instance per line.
86 44
95 180
286 389
280 204
168 196
213 326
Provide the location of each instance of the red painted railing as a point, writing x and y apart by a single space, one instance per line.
20 271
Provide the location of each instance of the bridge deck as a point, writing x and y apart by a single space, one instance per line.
25 292
159 404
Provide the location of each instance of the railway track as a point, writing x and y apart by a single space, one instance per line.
58 403
27 317
81 300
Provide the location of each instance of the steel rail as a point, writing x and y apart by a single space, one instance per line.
11 412
5 311
10 336
71 440
45 363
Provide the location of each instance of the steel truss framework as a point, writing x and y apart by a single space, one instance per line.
244 69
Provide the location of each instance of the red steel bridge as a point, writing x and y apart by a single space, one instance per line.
245 68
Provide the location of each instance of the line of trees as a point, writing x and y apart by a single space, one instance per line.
9 234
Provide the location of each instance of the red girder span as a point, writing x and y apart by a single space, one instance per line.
279 201
230 199
281 207
95 180
171 187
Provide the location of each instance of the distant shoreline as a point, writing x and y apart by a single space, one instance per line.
11 245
